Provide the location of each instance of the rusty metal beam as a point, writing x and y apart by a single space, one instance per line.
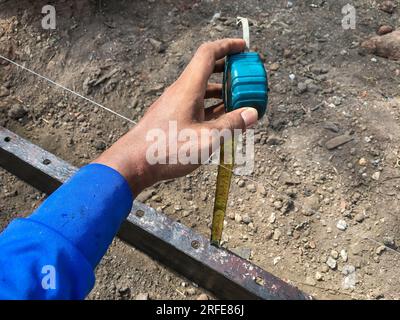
165 240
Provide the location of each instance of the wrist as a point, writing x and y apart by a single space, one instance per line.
130 165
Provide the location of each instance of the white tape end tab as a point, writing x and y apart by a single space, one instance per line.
246 30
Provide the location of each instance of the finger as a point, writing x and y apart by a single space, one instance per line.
219 66
214 111
202 65
214 90
238 119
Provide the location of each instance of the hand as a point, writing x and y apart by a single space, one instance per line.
182 105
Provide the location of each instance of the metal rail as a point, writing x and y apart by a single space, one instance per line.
165 240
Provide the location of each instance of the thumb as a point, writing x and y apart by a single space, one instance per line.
238 119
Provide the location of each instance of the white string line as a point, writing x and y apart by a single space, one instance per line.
131 121
67 89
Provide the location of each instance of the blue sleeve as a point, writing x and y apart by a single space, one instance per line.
52 254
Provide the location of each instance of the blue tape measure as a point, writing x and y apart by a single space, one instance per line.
245 83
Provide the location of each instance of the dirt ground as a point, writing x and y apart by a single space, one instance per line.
328 221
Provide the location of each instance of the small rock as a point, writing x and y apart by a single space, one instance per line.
278 204
389 241
387 46
338 141
376 175
203 296
276 260
387 6
274 67
277 234
289 179
380 250
100 145
4 92
251 188
301 87
241 183
359 217
191 291
238 218
334 254
246 219
158 45
362 162
319 276
349 281
344 255
142 296
274 141
17 112
272 218
341 225
384 30
331 263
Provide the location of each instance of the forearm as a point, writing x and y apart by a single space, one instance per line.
70 231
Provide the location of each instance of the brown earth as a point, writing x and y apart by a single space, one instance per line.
287 212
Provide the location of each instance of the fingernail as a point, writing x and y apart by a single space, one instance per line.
249 116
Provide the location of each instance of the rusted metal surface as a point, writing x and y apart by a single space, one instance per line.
171 243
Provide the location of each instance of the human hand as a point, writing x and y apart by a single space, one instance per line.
180 106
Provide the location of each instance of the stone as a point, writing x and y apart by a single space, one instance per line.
247 219
4 92
380 250
274 67
331 263
334 254
17 112
387 6
100 145
349 281
191 291
376 175
341 225
359 217
277 204
301 87
251 188
344 255
362 162
289 179
274 140
159 46
203 296
386 46
272 218
338 141
389 242
142 296
319 276
385 29
277 234
238 218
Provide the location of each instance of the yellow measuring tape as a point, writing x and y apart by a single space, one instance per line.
225 168
222 191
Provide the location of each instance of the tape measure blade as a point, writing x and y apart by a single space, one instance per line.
222 190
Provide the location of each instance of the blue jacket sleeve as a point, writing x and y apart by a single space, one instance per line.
52 254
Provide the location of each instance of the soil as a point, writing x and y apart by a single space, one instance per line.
325 218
